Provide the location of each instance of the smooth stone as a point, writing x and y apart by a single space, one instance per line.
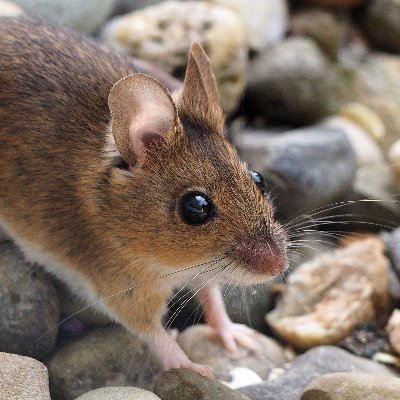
326 298
23 378
162 34
104 357
305 368
393 330
118 393
202 346
265 21
352 386
29 314
379 20
290 83
185 384
324 26
85 16
9 9
324 159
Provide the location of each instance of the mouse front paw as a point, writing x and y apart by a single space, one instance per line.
233 335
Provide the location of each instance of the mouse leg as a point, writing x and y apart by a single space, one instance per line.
215 315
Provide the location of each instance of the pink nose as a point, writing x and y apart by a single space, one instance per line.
262 257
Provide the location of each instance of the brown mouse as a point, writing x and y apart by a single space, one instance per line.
124 190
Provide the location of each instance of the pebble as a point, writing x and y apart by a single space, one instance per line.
327 297
162 34
202 346
324 159
333 3
351 385
185 384
104 357
9 9
118 393
379 20
291 83
393 330
23 378
29 306
394 159
85 16
305 368
266 21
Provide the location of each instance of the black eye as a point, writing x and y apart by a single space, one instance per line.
196 208
258 180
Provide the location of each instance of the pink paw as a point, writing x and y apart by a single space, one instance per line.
233 335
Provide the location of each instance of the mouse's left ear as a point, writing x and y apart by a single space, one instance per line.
142 111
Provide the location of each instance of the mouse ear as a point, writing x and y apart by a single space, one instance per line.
142 110
199 96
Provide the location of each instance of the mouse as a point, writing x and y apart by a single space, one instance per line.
124 185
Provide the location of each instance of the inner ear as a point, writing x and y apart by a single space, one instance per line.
142 111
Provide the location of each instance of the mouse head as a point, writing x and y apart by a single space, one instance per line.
185 198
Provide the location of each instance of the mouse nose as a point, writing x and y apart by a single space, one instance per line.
262 256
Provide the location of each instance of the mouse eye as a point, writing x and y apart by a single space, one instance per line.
196 208
258 180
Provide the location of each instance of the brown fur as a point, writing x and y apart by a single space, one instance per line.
63 195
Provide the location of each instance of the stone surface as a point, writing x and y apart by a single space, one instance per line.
104 357
309 366
29 306
393 330
352 386
327 297
184 384
380 22
85 16
22 378
324 159
118 393
333 3
394 159
9 9
327 28
266 21
392 242
163 33
202 346
290 83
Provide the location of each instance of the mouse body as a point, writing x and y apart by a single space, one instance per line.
125 190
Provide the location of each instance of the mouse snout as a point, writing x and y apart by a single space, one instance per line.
263 256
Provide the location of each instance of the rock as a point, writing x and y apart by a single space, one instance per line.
104 357
23 378
394 159
324 159
29 306
327 297
392 243
126 6
334 3
393 329
314 363
240 377
202 346
266 21
350 385
379 20
375 84
118 393
163 33
290 83
9 9
185 384
85 16
327 28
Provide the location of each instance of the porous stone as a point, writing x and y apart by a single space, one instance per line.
29 306
185 384
85 16
23 378
104 357
118 393
266 21
380 22
9 9
202 346
327 297
350 385
162 34
324 159
305 368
